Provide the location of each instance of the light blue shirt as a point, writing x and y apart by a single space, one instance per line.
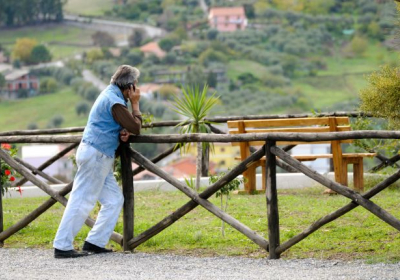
102 131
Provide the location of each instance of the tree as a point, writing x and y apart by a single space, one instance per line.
195 105
136 38
167 91
135 57
32 126
56 121
166 44
249 10
91 93
381 96
195 76
94 55
212 34
103 39
212 79
2 81
358 45
48 85
82 108
23 48
225 191
40 54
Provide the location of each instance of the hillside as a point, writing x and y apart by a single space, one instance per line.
290 59
39 110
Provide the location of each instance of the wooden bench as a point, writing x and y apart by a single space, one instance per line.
308 125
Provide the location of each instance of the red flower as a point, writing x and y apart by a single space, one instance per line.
19 190
7 172
6 146
12 179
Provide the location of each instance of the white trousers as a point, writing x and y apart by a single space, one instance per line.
94 181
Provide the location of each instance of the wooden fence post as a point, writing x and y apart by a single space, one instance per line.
127 189
272 201
205 161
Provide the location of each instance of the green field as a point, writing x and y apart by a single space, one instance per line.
88 7
75 39
356 235
237 67
17 114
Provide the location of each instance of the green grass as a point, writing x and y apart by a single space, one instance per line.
237 67
17 114
356 235
375 56
88 7
47 34
325 91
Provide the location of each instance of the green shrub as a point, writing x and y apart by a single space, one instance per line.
48 85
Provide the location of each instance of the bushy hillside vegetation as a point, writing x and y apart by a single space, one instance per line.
294 56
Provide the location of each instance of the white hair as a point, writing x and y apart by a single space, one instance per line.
125 75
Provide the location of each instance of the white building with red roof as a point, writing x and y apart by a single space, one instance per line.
227 19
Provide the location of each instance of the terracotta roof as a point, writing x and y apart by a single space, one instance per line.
149 88
227 11
154 48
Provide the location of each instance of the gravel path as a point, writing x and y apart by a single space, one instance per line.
24 264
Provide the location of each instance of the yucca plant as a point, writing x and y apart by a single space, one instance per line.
193 106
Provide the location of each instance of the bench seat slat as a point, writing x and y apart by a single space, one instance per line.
317 129
280 143
316 156
289 122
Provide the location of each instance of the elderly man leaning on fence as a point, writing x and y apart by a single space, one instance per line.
109 120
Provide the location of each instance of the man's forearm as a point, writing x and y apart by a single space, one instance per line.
135 109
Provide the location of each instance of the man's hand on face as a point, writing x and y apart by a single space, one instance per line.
124 135
134 95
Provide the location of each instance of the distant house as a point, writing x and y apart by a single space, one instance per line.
38 154
227 19
18 80
152 48
148 90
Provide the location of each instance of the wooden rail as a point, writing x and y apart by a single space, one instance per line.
273 244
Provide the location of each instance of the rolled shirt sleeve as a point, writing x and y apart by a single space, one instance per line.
130 121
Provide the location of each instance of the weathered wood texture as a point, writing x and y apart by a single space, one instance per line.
43 131
141 160
338 213
174 123
354 196
300 125
36 171
385 163
156 159
202 137
127 189
46 188
176 215
49 162
205 162
33 215
272 201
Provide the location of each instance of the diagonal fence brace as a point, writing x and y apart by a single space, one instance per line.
199 199
46 188
356 197
337 214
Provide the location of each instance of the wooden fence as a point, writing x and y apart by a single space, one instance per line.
129 241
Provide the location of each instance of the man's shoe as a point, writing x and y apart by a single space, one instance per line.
94 249
60 254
